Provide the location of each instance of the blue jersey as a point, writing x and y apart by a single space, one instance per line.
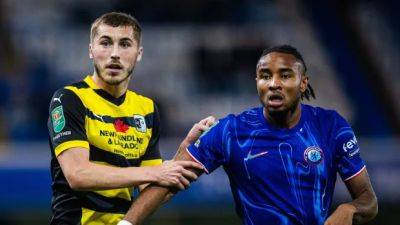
281 176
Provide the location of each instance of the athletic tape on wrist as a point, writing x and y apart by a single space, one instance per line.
124 222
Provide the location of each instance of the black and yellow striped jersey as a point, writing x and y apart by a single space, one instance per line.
118 132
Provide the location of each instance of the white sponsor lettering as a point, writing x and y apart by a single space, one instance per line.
350 144
355 152
62 134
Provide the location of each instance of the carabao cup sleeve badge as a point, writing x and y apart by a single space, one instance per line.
58 119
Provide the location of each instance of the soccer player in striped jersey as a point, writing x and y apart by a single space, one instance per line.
282 157
104 137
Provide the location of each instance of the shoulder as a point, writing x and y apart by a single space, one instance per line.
64 95
71 90
250 118
67 98
328 119
321 113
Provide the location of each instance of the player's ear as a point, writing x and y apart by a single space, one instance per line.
90 51
140 53
304 83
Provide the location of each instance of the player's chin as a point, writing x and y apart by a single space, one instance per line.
114 79
276 108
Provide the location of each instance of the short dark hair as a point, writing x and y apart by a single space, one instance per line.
116 19
288 49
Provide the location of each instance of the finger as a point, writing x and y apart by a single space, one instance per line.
175 182
180 186
210 121
189 175
207 120
190 164
201 127
185 182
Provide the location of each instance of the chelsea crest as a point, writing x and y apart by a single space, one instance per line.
313 155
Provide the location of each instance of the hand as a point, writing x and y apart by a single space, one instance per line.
343 215
198 129
175 173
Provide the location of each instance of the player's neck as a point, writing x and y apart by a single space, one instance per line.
286 120
115 90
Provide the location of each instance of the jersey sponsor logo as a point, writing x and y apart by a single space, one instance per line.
58 119
348 146
313 155
351 154
140 123
125 141
120 126
62 134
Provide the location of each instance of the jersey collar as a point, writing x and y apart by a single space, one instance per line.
294 129
104 94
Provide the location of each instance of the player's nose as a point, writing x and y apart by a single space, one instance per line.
115 53
275 83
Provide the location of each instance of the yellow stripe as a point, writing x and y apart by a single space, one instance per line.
124 193
89 80
152 162
70 144
90 217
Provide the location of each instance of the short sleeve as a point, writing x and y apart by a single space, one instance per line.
66 123
349 162
211 148
152 156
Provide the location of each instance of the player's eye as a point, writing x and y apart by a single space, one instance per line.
265 76
286 75
105 43
125 44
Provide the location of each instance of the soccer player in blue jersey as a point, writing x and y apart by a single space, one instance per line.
282 157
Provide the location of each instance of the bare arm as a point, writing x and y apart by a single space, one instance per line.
153 196
364 206
82 174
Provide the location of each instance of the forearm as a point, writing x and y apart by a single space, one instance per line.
100 177
154 196
365 207
149 200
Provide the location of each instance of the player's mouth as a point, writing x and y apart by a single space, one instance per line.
114 68
275 100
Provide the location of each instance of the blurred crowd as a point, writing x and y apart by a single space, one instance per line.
199 58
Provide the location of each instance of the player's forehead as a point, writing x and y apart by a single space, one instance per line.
277 60
115 33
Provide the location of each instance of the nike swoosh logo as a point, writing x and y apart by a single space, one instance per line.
250 156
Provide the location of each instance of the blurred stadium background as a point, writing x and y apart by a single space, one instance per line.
199 59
